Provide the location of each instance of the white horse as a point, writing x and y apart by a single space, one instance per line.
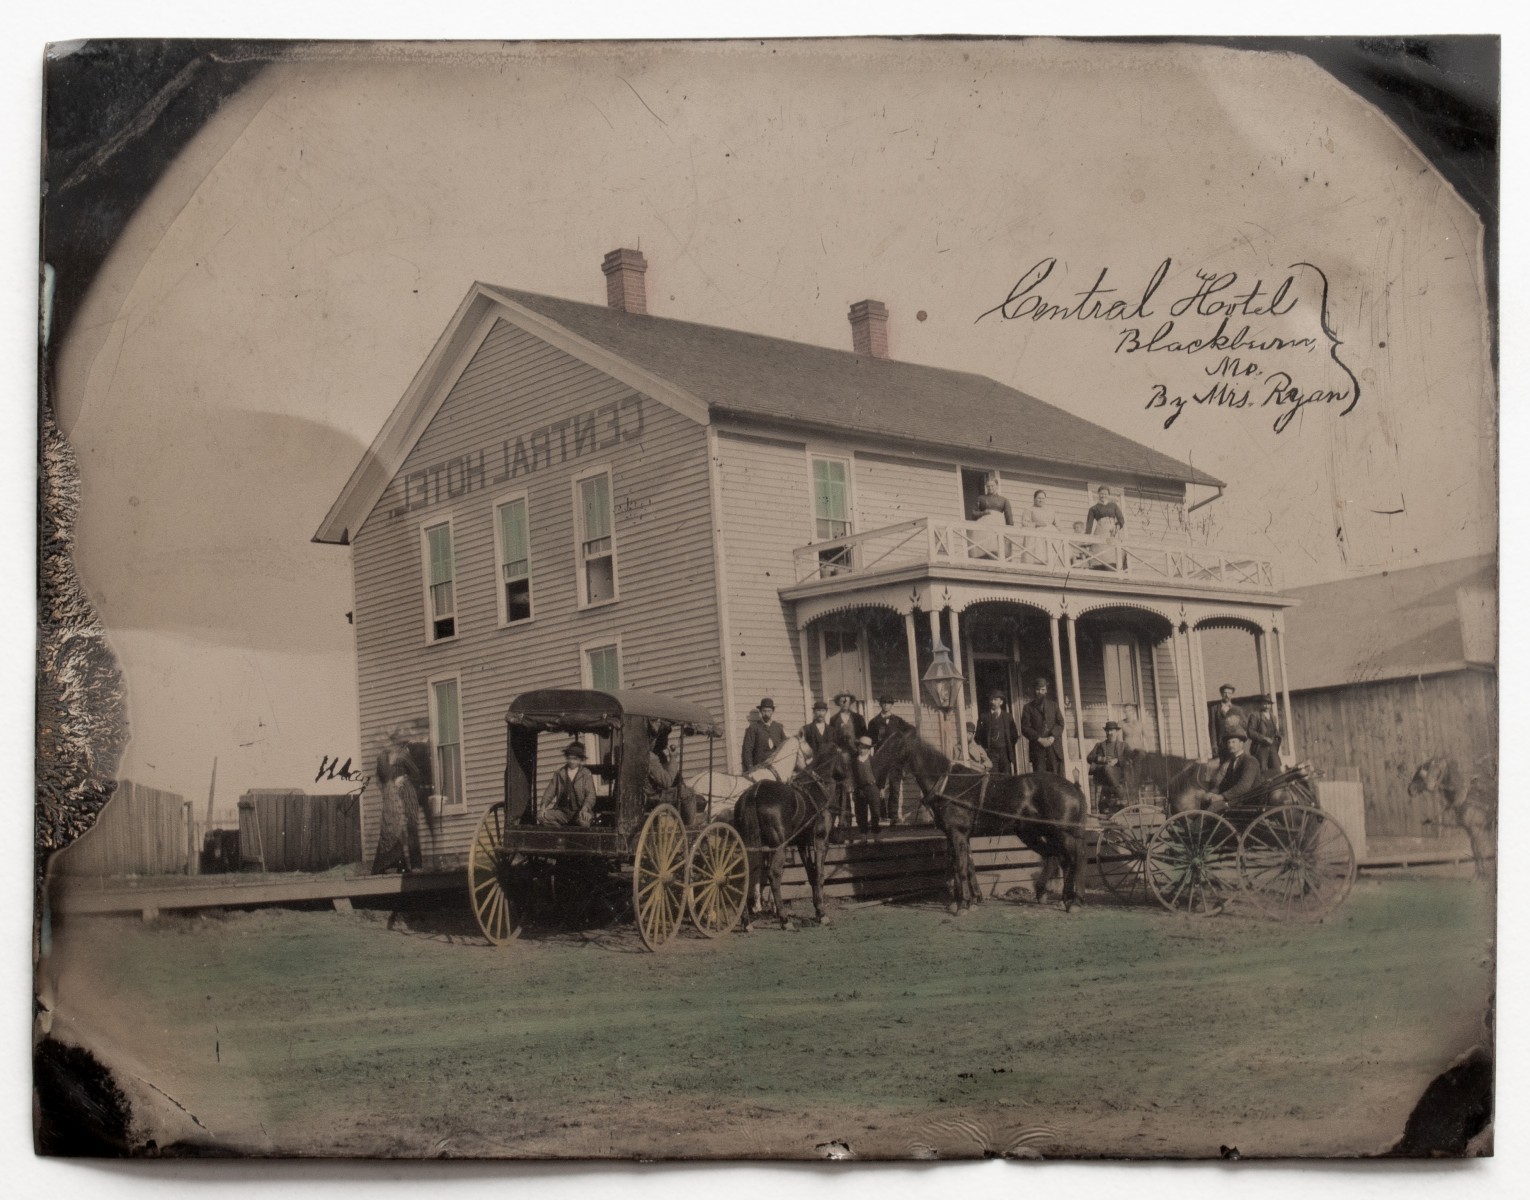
720 790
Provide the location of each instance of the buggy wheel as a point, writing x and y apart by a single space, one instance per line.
1192 863
658 876
1297 862
717 879
1121 856
490 870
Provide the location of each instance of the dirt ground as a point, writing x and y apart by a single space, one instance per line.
895 1031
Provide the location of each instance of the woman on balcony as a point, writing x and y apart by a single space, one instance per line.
990 509
1039 516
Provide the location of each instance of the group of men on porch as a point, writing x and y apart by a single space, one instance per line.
1248 743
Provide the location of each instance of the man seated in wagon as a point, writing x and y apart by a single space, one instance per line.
665 786
569 798
1239 775
1105 763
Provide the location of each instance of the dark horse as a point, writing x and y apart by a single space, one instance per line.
1045 811
772 816
1471 801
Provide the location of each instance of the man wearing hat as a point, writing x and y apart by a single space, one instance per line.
975 756
1105 765
996 733
868 797
1264 735
846 728
816 732
763 737
847 725
881 727
1226 717
1239 774
569 798
1042 723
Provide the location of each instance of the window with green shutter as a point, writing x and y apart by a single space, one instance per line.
831 511
440 576
597 550
604 666
511 521
446 731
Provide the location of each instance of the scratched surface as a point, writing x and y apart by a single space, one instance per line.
1288 295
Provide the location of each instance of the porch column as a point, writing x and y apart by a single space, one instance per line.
1285 689
1078 694
940 717
1184 687
913 664
1057 674
1198 689
1266 680
961 692
807 676
1152 649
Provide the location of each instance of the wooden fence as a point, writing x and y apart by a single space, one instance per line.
295 831
141 831
1378 733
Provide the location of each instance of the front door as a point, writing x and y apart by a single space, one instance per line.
843 666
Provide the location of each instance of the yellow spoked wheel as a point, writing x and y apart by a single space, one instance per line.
658 876
717 879
1122 854
1297 862
489 873
1192 863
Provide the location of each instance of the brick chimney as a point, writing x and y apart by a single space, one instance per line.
868 327
624 281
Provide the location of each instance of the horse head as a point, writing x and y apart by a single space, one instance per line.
1433 775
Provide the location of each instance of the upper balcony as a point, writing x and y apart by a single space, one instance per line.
987 550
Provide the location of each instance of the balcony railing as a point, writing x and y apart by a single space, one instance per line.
1028 552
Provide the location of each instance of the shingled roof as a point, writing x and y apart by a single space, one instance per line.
755 377
1394 625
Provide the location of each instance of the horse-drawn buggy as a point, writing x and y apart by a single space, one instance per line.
1273 845
638 831
628 822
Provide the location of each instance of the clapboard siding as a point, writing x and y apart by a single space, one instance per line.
889 491
1380 732
665 619
767 513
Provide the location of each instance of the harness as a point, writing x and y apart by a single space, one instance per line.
980 807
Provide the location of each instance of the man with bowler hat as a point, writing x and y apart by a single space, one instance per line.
569 798
763 737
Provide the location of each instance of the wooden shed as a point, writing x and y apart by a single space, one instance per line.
1388 670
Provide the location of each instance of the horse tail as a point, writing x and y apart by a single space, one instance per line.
746 819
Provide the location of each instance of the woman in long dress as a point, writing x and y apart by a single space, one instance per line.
990 509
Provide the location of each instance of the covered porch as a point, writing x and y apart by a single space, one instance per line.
1107 653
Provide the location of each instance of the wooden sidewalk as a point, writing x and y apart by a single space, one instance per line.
904 861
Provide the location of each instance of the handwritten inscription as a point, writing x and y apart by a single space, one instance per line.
600 428
1250 317
331 768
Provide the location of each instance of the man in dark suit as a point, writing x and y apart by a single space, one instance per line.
1240 773
881 727
1264 735
1105 765
1226 717
1041 721
997 734
816 733
763 737
847 725
846 728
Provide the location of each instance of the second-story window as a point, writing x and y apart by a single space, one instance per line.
514 549
597 551
440 577
831 509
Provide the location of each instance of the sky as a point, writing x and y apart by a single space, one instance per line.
271 301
